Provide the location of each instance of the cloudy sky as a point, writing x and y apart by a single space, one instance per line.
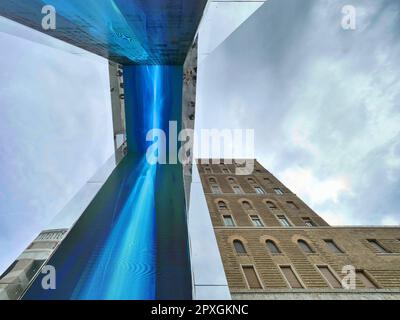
324 102
55 130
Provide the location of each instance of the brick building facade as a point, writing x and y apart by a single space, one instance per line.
273 246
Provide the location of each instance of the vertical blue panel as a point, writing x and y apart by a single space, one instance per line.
131 242
173 264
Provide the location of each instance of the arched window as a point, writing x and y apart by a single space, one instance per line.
305 246
251 180
258 189
222 205
231 180
272 247
271 205
212 180
224 169
246 205
237 189
239 247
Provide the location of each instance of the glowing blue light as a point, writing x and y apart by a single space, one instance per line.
107 24
125 267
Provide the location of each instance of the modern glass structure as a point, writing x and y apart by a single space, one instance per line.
131 240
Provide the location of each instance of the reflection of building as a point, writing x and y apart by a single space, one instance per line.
16 278
273 246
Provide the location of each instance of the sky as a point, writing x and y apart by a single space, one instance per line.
55 130
323 101
324 104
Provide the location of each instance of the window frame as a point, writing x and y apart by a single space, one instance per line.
242 203
308 219
238 188
378 244
212 186
226 205
245 253
292 205
262 191
233 220
273 203
212 180
312 251
334 274
286 218
279 251
257 275
295 273
369 278
340 250
257 217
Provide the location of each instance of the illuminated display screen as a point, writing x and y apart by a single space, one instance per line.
125 31
131 242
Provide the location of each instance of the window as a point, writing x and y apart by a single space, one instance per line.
272 247
251 180
278 191
308 222
215 189
237 189
292 205
377 246
212 180
222 205
259 190
256 221
283 221
271 205
228 221
224 169
291 277
366 281
329 277
251 277
239 247
246 205
332 246
267 180
305 246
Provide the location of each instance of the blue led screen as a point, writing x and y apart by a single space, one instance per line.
126 31
131 242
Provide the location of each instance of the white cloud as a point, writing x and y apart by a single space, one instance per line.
56 130
324 102
303 182
391 220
